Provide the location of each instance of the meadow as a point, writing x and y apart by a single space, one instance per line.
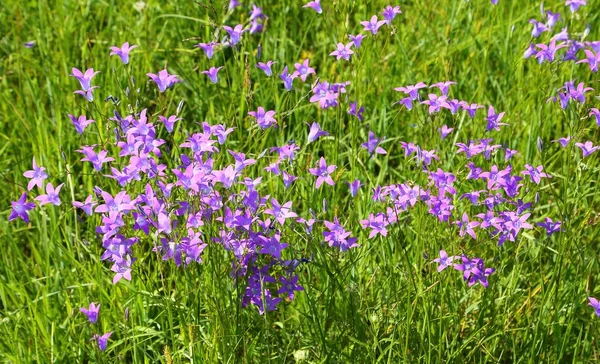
282 181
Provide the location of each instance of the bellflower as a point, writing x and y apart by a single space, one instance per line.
356 39
122 52
264 119
21 208
212 74
595 304
288 79
389 13
323 173
574 5
593 60
163 80
373 25
102 340
51 195
92 312
80 123
343 51
303 70
84 78
266 67
208 48
444 260
315 5
587 148
372 145
235 33
37 175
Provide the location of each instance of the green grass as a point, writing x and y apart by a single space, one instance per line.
382 302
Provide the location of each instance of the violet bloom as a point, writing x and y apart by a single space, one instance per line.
288 179
372 145
88 95
596 113
587 148
264 119
208 48
342 51
536 174
20 209
538 28
595 304
97 160
266 67
29 44
550 226
315 5
466 226
445 130
444 260
289 286
593 60
170 122
102 340
530 51
435 102
163 80
552 18
234 4
37 175
563 141
315 132
235 34
288 79
85 206
356 111
493 120
51 195
92 312
281 212
122 52
303 70
354 186
356 39
389 13
443 86
575 4
212 74
471 109
80 123
84 78
373 25
547 53
323 173
377 223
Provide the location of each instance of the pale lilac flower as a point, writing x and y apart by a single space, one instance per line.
123 52
303 70
266 67
288 79
493 120
343 51
412 90
21 208
323 173
51 195
552 18
373 25
84 78
208 48
86 206
169 122
466 226
595 304
281 212
37 175
435 102
80 123
547 53
563 141
443 86
536 174
235 33
538 28
212 74
163 80
315 5
389 13
575 4
315 132
264 119
354 186
550 226
372 145
587 148
234 4
593 60
87 94
102 340
92 312
444 260
356 39
596 113
445 130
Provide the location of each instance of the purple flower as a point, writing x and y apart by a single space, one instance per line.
444 260
288 79
593 60
372 145
234 4
20 209
266 67
80 123
435 102
493 120
389 13
169 123
445 130
264 119
466 226
587 148
102 340
37 175
342 51
356 39
303 70
563 141
536 174
552 18
547 53
51 195
373 25
315 132
550 226
352 110
212 74
208 48
97 160
538 28
323 173
163 80
86 206
87 94
289 286
279 212
315 5
337 236
575 4
235 34
92 312
595 304
596 113
354 186
29 44
288 179
122 52
377 224
443 86
412 90
84 78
